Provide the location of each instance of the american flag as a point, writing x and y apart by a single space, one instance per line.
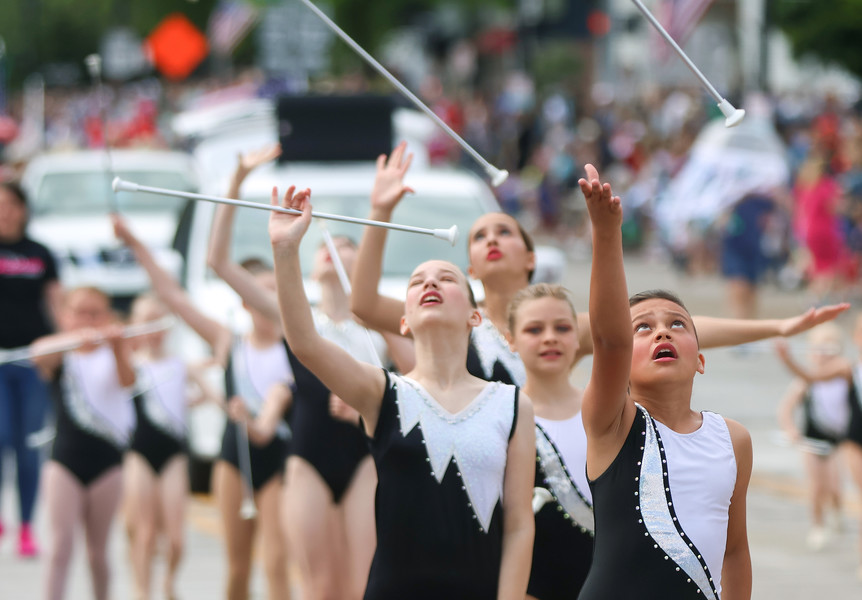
679 18
229 22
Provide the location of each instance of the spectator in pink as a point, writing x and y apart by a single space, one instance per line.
818 201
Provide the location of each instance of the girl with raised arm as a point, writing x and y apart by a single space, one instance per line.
669 483
257 379
563 501
95 418
502 258
330 475
454 453
155 468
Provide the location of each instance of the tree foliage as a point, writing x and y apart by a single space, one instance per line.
830 30
41 32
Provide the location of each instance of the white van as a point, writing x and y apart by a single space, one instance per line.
70 198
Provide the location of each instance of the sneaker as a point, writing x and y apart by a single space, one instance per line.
27 547
816 539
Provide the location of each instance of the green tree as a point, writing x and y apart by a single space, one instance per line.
830 30
38 32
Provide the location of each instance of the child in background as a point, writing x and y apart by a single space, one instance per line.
853 442
823 389
257 376
155 469
95 419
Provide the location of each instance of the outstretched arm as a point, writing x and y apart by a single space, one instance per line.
218 256
605 401
359 384
49 349
379 312
174 296
718 332
715 332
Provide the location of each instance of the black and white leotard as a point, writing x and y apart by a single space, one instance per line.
95 415
439 497
854 398
160 407
661 513
334 448
827 411
563 546
489 356
249 374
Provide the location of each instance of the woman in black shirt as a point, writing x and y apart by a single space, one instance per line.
29 291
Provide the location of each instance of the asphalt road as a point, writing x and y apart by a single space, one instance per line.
742 384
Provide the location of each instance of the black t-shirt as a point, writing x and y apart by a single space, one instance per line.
26 267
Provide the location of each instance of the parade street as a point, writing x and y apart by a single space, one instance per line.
744 384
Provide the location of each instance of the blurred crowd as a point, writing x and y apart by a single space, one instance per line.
806 231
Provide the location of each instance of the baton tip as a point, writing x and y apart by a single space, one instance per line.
735 119
452 234
498 176
733 116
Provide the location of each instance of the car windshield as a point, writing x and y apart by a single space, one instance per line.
84 192
404 251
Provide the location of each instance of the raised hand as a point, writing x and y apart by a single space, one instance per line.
122 231
605 209
248 162
811 318
389 185
286 230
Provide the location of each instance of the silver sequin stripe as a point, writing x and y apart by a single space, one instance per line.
161 419
561 485
656 505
